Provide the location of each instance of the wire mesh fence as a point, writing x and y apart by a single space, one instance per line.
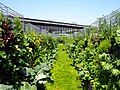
113 17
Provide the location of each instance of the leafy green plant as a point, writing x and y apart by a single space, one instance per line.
104 46
27 86
97 58
25 56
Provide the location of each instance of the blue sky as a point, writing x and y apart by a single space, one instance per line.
72 11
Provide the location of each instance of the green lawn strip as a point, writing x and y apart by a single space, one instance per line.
64 75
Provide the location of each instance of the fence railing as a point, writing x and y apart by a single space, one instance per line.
9 12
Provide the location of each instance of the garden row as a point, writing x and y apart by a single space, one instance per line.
96 57
26 58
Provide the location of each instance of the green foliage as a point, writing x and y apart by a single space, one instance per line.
6 87
25 56
117 38
62 39
97 58
104 46
27 86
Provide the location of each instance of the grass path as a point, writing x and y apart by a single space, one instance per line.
63 73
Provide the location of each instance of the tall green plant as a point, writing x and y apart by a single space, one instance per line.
24 56
97 58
